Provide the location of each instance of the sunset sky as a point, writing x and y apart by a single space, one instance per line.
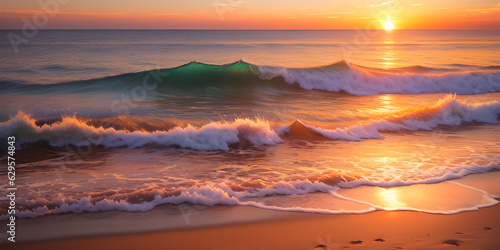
251 14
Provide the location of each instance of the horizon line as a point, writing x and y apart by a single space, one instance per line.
245 29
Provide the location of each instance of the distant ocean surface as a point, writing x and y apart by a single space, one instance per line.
132 119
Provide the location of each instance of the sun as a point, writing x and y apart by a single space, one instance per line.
388 25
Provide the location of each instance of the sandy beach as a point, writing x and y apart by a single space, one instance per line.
378 230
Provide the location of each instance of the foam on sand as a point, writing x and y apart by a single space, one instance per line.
467 197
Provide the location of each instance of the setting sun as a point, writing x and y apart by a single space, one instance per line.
388 25
322 124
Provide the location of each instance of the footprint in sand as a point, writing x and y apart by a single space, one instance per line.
453 242
321 246
356 242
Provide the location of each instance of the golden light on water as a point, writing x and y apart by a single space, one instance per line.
390 198
388 25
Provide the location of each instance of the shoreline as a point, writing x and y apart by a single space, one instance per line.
377 230
171 221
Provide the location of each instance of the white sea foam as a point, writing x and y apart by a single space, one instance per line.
357 81
220 194
209 195
71 131
434 175
219 135
448 111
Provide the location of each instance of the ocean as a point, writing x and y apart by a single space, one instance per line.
306 121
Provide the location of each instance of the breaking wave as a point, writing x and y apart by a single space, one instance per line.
197 78
220 135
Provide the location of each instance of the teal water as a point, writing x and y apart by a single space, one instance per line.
130 119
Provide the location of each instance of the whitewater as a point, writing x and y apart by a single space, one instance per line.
138 121
234 137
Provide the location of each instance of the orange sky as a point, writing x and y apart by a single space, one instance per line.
250 14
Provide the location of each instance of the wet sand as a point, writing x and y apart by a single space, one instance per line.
378 230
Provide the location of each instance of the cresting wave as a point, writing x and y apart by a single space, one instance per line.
448 111
357 80
220 135
72 131
195 78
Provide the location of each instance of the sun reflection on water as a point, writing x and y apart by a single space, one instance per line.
390 198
